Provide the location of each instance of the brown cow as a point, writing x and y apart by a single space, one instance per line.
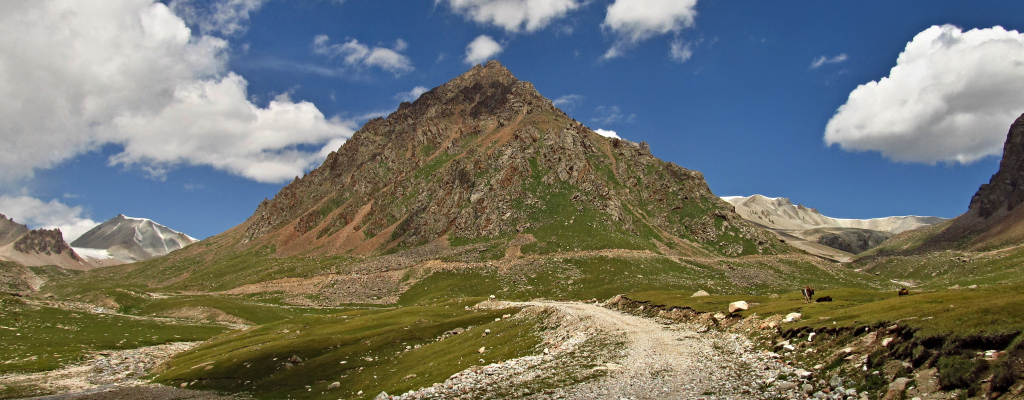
808 293
903 292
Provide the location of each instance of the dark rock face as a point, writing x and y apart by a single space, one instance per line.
486 155
1006 188
854 241
44 241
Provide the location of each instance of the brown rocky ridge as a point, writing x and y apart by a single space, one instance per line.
994 218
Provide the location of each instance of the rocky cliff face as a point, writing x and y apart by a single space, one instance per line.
44 241
486 156
1006 188
994 218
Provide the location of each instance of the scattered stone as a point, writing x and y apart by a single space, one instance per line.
886 342
836 381
792 317
700 293
492 297
294 359
382 396
334 385
808 388
810 338
786 386
408 377
482 350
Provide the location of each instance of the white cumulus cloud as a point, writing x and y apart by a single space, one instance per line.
481 49
513 15
950 98
633 21
607 133
355 54
75 76
36 214
820 61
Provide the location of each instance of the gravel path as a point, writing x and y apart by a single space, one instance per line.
597 353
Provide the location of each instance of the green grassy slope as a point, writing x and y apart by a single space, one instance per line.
365 350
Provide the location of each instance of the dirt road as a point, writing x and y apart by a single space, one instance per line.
597 353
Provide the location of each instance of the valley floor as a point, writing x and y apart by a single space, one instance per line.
589 352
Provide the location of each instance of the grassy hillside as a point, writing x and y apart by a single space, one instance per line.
365 351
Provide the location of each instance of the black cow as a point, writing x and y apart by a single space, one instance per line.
903 292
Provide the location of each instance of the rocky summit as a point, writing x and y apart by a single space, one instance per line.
486 156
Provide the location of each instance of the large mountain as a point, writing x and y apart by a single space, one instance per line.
479 174
807 229
486 156
36 247
127 239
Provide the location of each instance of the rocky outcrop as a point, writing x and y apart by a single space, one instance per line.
1006 188
44 241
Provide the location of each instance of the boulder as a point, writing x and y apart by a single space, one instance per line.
896 388
382 396
700 293
738 306
792 317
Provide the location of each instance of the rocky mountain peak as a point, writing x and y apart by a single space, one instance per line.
486 156
1006 188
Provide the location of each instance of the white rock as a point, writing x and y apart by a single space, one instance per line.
886 342
792 317
738 306
700 293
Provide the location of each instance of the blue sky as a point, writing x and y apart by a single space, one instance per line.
191 112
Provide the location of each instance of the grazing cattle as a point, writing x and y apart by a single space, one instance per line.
808 293
823 299
903 292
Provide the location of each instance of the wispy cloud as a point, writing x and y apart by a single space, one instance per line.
358 55
820 61
569 101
